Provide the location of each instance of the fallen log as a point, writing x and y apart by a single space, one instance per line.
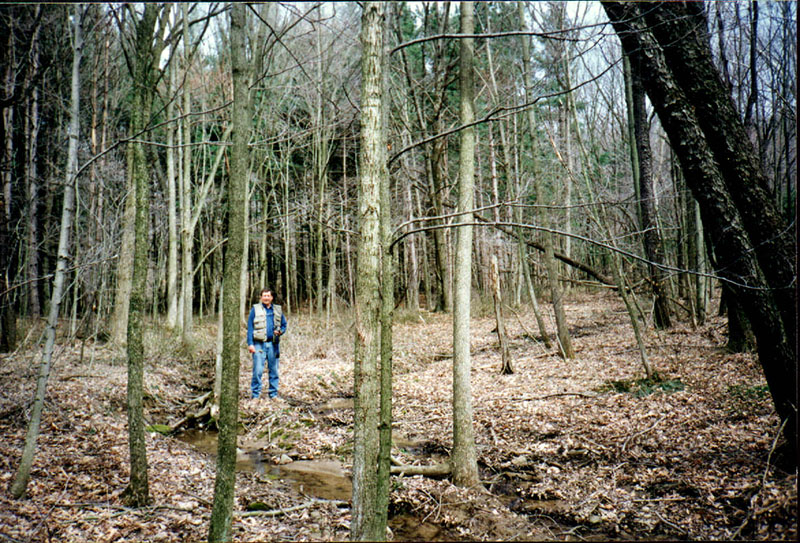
435 471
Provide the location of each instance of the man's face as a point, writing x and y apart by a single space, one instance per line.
266 298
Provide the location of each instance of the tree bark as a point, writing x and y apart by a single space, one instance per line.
224 486
365 523
736 241
464 460
146 55
172 199
187 229
64 245
31 174
387 274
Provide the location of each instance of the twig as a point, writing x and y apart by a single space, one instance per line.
637 434
749 514
556 395
772 450
678 499
283 511
122 510
668 523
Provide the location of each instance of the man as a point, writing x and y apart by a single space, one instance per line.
265 325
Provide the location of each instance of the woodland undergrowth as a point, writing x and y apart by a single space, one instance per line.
567 449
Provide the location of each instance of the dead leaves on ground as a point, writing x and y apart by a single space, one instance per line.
565 450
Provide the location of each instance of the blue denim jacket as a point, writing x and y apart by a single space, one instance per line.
270 327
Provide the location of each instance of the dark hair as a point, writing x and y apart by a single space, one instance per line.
271 290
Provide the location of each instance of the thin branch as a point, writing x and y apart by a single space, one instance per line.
556 395
552 35
497 114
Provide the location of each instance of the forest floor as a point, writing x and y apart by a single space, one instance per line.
580 449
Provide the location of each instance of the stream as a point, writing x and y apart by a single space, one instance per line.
324 479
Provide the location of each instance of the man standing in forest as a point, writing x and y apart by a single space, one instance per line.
265 325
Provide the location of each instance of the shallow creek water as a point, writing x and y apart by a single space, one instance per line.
325 479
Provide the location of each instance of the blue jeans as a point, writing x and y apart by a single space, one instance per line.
265 352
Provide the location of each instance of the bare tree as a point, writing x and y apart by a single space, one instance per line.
366 520
222 514
146 55
464 458
64 247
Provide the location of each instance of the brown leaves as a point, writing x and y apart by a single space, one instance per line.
560 452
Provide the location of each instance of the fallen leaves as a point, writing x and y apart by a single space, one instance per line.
561 454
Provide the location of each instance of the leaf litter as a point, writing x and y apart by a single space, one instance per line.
567 449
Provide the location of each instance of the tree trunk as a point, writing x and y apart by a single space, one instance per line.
643 177
31 174
64 244
187 231
736 240
222 512
8 312
387 275
502 337
172 198
146 57
365 523
464 456
122 296
562 331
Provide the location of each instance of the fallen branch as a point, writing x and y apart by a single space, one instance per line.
434 471
80 376
637 434
200 399
556 395
670 524
283 511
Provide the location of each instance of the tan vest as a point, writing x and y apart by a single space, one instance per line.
260 321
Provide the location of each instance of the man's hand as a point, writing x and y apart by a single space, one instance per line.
251 349
276 333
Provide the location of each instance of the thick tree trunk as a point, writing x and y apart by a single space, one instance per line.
64 245
464 456
679 28
222 512
736 241
366 520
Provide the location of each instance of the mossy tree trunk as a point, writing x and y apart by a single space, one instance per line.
146 55
222 513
